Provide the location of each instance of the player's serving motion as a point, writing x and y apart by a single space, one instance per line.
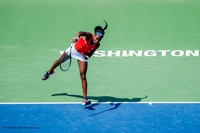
82 48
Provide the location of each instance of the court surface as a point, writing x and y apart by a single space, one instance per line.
101 117
150 54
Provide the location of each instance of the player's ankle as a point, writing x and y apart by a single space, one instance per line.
51 71
85 98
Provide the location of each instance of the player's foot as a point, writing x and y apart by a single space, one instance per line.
86 102
46 75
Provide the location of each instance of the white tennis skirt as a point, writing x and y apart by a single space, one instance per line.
75 54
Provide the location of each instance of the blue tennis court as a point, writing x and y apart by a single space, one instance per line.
100 117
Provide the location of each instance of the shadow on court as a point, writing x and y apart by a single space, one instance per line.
115 102
103 98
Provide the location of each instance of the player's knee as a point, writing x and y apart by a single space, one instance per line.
83 76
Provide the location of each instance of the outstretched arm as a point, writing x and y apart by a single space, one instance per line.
81 33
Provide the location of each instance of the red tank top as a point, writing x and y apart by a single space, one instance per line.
83 46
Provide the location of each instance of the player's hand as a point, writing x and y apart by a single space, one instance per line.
73 40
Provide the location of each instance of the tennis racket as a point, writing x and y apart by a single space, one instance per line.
66 61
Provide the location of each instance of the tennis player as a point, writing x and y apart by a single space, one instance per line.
84 45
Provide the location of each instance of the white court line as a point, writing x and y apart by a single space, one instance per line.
2 103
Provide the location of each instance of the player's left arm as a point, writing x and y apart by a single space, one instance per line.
80 34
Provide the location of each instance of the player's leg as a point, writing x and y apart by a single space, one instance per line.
55 64
83 70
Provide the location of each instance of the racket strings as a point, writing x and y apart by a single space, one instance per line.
65 62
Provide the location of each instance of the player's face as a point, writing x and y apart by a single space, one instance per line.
97 38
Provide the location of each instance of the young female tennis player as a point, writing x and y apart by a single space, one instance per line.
84 45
